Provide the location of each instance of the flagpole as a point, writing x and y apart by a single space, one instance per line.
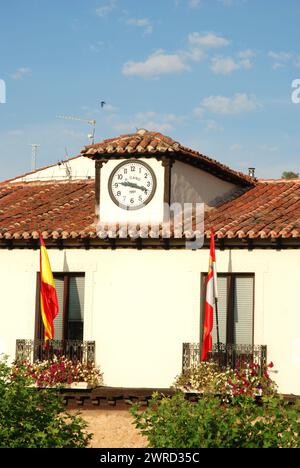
217 324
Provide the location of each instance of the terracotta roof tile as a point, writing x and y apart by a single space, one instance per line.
62 210
148 143
270 209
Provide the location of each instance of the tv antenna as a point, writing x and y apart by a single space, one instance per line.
34 148
91 136
67 166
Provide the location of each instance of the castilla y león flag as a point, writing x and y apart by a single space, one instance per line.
48 296
211 296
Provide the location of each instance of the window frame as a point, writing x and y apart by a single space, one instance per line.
39 326
230 304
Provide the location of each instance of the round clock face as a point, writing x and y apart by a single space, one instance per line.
132 185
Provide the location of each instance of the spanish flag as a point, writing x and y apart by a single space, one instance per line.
211 297
48 296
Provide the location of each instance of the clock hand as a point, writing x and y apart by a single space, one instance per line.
133 185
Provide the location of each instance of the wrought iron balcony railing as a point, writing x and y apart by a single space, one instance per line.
234 356
35 350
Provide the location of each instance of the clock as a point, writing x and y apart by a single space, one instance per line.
132 185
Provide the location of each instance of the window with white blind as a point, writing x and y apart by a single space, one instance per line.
235 308
68 324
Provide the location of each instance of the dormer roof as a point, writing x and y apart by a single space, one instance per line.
148 144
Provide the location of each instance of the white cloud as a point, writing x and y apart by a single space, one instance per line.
297 61
227 65
97 47
223 65
230 3
237 104
226 3
246 64
278 66
144 23
209 124
152 121
161 63
155 65
236 147
283 59
246 54
280 56
197 3
199 112
209 40
194 4
110 109
212 126
197 49
245 57
195 54
106 8
21 72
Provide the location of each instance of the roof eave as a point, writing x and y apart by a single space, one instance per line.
199 161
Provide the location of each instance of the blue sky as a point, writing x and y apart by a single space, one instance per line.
215 75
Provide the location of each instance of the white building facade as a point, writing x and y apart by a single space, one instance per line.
140 298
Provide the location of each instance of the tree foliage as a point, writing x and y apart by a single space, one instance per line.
177 423
290 175
35 418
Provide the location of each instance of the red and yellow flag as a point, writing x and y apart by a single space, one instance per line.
48 296
211 296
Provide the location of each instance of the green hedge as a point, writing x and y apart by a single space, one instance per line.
210 423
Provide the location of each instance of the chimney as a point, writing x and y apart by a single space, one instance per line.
251 171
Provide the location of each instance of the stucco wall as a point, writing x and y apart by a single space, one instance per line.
81 168
189 184
140 306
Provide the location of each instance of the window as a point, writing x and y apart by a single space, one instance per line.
235 308
68 325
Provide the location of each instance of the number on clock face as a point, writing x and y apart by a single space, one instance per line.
132 185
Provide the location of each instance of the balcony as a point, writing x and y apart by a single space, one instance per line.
34 350
233 356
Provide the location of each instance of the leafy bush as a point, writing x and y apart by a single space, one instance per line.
58 372
207 377
177 423
34 418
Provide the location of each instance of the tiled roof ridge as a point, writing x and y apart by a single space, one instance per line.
279 181
22 183
147 142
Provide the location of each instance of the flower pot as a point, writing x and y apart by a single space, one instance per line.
79 385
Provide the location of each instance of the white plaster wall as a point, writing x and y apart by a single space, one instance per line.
81 168
111 213
192 185
140 306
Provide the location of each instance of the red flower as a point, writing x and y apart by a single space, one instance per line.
271 365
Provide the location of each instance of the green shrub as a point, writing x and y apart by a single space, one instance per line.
177 423
33 418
